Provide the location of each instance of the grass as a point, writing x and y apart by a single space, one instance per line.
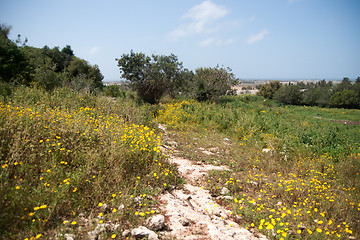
63 155
305 186
70 162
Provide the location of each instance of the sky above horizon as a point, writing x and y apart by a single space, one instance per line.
257 39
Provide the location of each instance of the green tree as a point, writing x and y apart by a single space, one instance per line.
184 84
151 77
83 76
211 83
13 63
114 91
317 94
267 90
345 99
290 94
61 58
357 87
5 31
344 85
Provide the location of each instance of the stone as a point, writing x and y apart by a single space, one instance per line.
224 191
156 223
184 221
69 236
116 226
255 184
93 235
121 207
102 227
143 232
65 236
126 233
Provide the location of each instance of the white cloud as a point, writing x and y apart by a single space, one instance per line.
93 50
202 18
214 41
253 38
207 42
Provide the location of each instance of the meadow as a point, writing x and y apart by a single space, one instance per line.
64 156
294 170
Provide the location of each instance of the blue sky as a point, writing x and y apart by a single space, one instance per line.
257 39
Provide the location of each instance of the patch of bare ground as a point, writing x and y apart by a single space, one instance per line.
192 213
340 121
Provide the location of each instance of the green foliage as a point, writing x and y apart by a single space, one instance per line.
316 96
151 77
267 90
308 174
289 94
211 83
114 91
53 68
344 85
5 91
13 63
83 76
345 99
4 31
61 154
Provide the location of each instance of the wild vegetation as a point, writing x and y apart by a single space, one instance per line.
323 94
75 154
294 170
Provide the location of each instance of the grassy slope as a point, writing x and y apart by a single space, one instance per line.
307 186
63 155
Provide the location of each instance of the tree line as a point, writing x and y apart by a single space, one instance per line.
345 94
45 67
151 77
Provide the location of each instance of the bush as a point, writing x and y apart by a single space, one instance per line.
151 77
267 90
113 91
288 95
345 99
211 83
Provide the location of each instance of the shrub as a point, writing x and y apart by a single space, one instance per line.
267 90
345 99
288 95
211 83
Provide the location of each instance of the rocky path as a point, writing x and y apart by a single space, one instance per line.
191 213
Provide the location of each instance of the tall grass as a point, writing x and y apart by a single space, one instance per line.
304 186
63 154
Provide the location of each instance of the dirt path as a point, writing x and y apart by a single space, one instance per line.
192 213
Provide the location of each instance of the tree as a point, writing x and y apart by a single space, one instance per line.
317 94
345 99
13 63
83 76
61 58
267 90
4 31
211 83
151 77
357 87
344 85
288 95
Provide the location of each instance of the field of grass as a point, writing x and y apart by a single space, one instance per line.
65 156
305 185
